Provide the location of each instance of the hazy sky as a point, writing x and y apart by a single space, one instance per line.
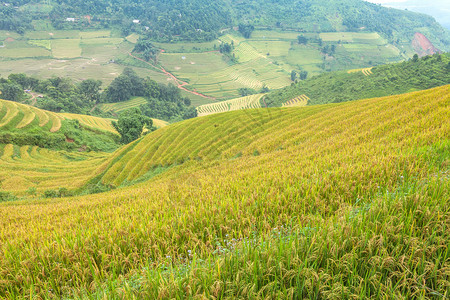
439 9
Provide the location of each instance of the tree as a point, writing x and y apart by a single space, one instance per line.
246 30
293 75
415 58
11 91
90 88
131 124
302 40
303 75
120 89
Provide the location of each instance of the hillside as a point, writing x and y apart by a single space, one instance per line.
22 124
340 200
202 20
208 50
390 79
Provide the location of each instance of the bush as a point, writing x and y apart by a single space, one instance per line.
7 196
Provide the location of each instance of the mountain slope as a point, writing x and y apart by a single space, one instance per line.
203 20
391 79
342 200
22 124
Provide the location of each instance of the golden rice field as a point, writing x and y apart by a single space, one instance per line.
30 168
339 201
365 71
17 115
252 101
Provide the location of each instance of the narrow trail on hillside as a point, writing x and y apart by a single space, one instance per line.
180 84
33 98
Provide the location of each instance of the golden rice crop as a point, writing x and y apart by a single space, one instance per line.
21 116
345 200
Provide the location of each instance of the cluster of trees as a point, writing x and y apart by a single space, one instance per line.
131 124
392 79
14 19
302 75
146 49
63 95
164 101
246 30
226 48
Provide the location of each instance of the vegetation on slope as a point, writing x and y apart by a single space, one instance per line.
202 20
391 79
22 124
338 201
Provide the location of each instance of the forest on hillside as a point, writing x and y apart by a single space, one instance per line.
391 79
201 20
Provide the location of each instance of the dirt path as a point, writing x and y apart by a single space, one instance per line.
33 98
180 83
92 109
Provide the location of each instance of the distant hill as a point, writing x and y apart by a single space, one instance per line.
384 80
204 20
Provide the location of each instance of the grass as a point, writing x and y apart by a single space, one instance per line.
343 201
66 48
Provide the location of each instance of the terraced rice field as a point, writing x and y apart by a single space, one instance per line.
15 115
29 168
252 101
301 100
365 71
345 200
353 37
91 121
124 105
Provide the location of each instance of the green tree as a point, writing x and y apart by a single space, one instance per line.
303 75
302 40
293 75
130 125
11 91
90 88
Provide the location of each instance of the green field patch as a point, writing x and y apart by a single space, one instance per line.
245 52
133 38
4 34
232 38
16 44
24 52
359 47
54 34
95 34
41 43
188 47
268 34
368 37
303 55
66 48
101 41
39 35
182 63
124 105
271 48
